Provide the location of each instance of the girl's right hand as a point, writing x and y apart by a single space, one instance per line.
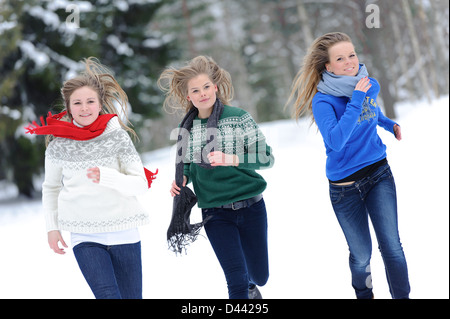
54 237
363 85
175 190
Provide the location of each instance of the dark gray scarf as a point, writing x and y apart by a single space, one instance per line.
181 232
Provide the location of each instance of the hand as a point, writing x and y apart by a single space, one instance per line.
222 159
94 174
397 132
363 85
54 237
175 190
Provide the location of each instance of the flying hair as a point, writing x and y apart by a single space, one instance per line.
100 78
304 86
174 83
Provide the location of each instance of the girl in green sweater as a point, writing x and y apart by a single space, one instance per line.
222 147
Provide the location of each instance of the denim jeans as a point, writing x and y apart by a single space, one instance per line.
373 196
112 272
239 240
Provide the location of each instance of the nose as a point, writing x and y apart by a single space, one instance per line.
83 106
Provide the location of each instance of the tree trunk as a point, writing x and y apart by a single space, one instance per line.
237 69
429 49
416 49
442 59
402 57
374 43
304 23
190 36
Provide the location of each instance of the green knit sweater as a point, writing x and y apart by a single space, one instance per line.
237 134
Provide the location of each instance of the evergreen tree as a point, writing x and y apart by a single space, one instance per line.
41 45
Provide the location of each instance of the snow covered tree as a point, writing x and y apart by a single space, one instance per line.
42 43
19 157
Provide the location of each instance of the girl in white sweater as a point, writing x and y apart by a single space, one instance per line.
92 176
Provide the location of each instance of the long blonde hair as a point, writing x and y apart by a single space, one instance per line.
99 78
174 82
304 86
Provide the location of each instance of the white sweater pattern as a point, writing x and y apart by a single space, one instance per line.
75 203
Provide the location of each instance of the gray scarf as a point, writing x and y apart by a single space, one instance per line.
341 85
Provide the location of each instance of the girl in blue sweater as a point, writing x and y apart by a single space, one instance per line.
337 90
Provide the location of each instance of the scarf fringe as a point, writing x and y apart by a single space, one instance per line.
150 176
31 129
178 241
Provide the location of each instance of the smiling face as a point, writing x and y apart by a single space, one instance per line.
202 93
84 105
343 59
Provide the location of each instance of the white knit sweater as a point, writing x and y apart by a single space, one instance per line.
74 203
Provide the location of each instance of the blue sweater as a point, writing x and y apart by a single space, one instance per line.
349 130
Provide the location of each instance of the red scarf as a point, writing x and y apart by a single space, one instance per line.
65 129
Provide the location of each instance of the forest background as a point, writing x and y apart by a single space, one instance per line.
404 43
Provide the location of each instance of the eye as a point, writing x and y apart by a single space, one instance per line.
352 55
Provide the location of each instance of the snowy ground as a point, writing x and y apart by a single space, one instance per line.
308 253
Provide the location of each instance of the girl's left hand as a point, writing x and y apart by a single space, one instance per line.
94 174
222 159
397 132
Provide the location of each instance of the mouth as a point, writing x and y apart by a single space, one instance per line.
204 100
85 115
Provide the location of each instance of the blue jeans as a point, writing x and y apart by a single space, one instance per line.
112 272
373 196
239 240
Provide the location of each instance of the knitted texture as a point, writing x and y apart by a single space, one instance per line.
234 132
239 134
74 203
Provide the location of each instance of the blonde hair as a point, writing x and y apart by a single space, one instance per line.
304 86
174 82
100 79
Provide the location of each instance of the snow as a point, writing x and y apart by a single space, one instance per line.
7 25
122 48
307 252
12 113
28 49
83 6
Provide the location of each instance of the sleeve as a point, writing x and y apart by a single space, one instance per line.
251 146
130 180
51 188
386 122
336 132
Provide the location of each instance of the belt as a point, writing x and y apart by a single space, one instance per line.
243 203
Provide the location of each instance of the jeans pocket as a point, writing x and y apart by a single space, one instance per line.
385 174
335 197
207 213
